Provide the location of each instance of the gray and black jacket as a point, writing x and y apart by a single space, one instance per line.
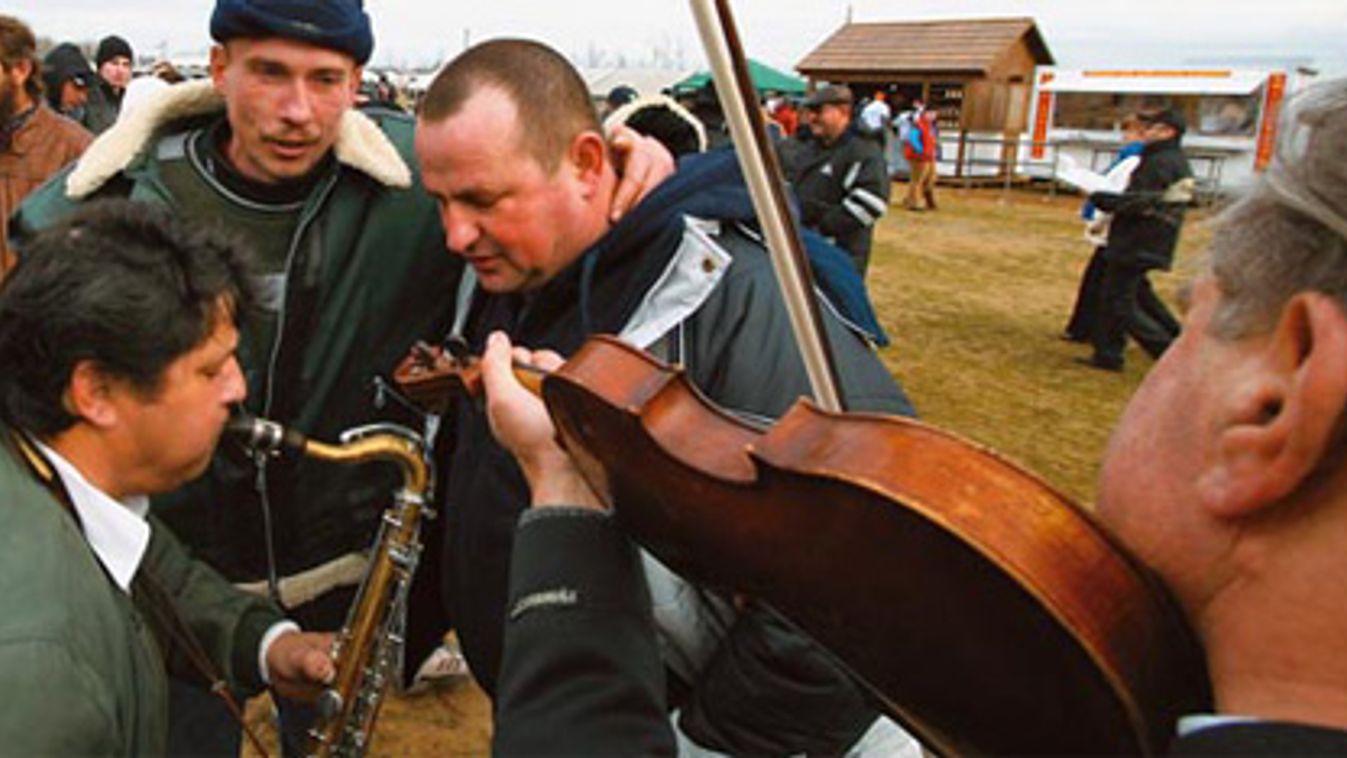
843 190
683 276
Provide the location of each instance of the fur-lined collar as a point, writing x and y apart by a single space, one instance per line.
360 143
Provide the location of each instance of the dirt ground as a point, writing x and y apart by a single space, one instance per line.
451 719
974 296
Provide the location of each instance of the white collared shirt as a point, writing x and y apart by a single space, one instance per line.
119 535
116 530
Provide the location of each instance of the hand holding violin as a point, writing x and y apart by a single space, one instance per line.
521 424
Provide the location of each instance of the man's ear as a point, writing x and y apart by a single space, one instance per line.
588 158
89 396
219 60
357 78
25 67
1281 418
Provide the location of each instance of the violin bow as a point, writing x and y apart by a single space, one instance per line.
767 186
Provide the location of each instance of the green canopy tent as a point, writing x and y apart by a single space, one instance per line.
765 79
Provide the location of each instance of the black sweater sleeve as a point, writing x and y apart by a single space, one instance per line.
581 672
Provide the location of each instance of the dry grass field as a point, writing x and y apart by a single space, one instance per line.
973 296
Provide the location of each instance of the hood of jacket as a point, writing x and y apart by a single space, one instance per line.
711 186
360 143
65 61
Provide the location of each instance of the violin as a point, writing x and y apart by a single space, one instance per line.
985 611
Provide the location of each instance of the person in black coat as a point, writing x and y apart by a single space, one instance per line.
527 199
1147 217
840 178
67 77
1085 312
113 61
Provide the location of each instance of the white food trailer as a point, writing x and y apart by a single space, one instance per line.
1232 117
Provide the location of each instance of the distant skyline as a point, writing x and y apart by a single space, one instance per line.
413 33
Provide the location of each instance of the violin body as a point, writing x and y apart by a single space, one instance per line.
986 612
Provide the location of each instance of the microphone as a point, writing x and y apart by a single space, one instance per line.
265 436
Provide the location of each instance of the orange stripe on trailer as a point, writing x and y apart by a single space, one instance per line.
1159 73
1272 111
1041 116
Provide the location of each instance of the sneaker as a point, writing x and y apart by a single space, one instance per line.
444 663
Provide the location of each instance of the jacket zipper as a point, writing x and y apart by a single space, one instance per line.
306 219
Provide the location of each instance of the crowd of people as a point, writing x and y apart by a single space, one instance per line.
835 151
255 240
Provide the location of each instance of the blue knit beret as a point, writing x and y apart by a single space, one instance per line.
340 25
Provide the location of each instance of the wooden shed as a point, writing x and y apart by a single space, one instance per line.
978 74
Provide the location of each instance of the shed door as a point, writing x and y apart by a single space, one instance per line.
1017 109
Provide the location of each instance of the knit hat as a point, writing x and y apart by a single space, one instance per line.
110 47
340 25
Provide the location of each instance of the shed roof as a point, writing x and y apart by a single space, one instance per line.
965 45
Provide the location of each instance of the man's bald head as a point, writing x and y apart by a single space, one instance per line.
552 100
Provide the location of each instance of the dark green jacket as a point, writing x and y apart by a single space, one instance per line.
82 669
368 275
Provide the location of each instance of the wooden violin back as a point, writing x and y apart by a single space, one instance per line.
987 612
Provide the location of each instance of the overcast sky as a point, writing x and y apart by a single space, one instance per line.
421 32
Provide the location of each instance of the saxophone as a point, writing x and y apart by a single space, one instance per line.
368 650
